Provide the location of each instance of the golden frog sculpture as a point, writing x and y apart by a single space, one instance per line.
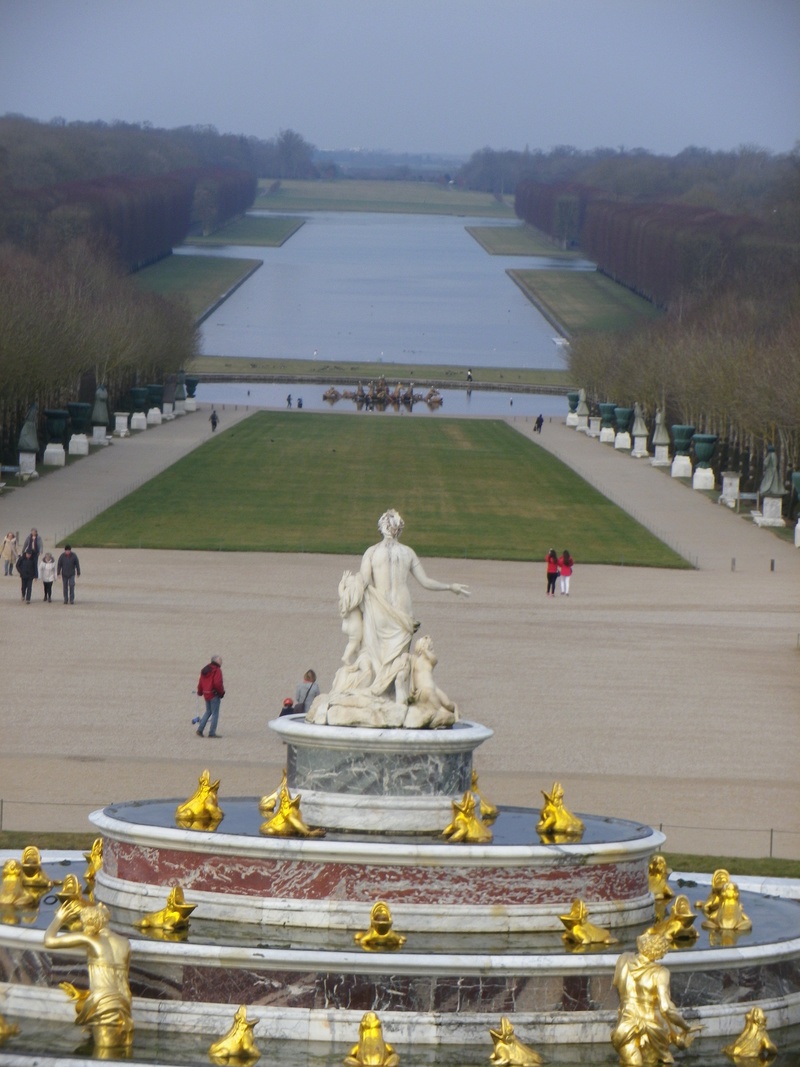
509 1051
657 874
729 915
677 926
380 937
201 811
753 1045
555 822
238 1045
466 824
174 916
579 931
488 810
287 820
371 1050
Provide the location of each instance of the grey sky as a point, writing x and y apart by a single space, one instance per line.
417 75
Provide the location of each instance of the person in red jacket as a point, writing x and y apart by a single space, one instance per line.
552 571
212 690
565 565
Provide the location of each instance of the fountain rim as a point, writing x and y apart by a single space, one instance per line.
463 736
406 853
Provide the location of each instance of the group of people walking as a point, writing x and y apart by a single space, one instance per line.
32 564
559 568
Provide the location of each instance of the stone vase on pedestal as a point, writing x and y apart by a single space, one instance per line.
607 428
572 400
622 417
704 445
681 463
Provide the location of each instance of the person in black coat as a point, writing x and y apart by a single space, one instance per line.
26 566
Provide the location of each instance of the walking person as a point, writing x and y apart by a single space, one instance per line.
210 687
34 542
68 568
565 565
213 418
47 575
26 568
306 692
552 571
9 553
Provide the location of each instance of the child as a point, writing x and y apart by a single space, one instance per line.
47 575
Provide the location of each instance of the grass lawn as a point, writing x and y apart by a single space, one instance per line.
269 232
342 371
519 240
584 301
200 280
470 488
417 198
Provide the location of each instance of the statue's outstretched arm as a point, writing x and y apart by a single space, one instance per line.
430 583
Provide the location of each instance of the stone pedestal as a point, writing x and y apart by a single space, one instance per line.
353 778
607 435
190 404
100 435
54 455
622 442
138 421
594 426
639 450
27 464
703 478
180 407
121 424
79 445
154 417
661 458
730 488
797 535
681 467
771 508
572 419
167 412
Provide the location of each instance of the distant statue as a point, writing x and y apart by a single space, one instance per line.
100 415
771 484
661 433
648 1022
28 437
373 688
106 1009
639 425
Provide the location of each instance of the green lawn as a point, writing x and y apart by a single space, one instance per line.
584 301
269 232
343 371
290 482
200 280
519 240
419 198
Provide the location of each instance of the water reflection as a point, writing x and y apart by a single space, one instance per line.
477 403
404 288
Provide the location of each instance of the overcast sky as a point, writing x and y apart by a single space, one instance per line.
443 76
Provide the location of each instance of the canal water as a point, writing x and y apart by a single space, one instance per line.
375 287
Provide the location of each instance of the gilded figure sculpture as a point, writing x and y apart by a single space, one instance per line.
238 1045
509 1051
579 931
106 1010
7 1029
32 874
709 906
267 803
13 891
657 875
466 824
71 890
174 916
753 1045
287 820
648 1021
380 937
488 810
554 820
729 915
201 811
677 927
371 1049
94 860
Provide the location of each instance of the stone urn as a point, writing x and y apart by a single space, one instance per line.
682 440
80 416
607 427
623 417
704 445
191 385
572 400
56 421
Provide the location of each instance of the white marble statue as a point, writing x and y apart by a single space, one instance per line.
381 683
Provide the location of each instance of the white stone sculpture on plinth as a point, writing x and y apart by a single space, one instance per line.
381 682
582 412
772 493
660 442
79 445
639 450
54 455
138 421
730 488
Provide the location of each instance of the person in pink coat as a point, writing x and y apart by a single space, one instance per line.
552 571
565 565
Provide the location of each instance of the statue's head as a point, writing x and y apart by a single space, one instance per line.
370 1024
719 879
391 523
94 917
653 946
